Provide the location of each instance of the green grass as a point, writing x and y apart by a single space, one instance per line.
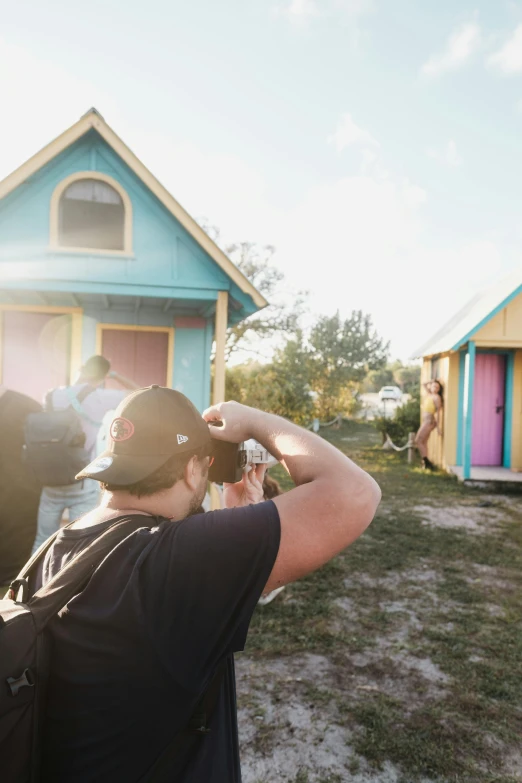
471 627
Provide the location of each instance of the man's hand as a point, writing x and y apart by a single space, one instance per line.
247 491
236 420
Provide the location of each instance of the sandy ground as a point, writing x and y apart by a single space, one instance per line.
290 714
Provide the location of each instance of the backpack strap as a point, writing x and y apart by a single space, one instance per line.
72 578
76 400
22 580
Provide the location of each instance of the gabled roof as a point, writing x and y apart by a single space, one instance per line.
473 316
93 119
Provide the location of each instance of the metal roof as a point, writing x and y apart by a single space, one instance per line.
472 317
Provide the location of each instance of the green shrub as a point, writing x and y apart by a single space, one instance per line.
406 420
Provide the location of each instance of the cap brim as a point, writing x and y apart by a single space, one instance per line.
122 469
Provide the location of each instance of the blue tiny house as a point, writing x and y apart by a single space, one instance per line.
97 257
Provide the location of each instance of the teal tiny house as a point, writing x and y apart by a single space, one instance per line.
97 257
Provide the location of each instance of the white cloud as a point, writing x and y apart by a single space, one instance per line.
299 11
461 45
448 155
302 9
353 7
349 133
509 58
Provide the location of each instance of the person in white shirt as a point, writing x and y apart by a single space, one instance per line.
82 496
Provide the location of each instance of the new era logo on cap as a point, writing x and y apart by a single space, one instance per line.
182 439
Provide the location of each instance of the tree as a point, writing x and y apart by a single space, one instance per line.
342 354
406 420
376 379
280 387
282 314
408 376
285 307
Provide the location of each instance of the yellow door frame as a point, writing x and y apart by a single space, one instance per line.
76 313
169 330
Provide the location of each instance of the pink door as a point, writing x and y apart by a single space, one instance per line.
35 351
488 409
141 355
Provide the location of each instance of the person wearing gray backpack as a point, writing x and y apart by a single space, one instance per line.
60 441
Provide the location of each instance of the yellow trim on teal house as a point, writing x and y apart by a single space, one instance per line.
55 214
93 120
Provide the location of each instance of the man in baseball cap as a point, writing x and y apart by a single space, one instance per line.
151 427
142 682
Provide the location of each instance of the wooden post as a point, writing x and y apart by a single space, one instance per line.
411 447
221 336
218 393
76 345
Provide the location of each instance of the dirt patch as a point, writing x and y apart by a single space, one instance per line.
494 579
288 723
475 519
415 635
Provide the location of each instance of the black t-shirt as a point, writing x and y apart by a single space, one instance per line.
135 650
19 489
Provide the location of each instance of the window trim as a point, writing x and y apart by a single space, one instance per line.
54 218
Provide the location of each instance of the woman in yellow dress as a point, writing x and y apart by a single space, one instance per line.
431 419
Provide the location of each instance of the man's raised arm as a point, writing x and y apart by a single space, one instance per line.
333 502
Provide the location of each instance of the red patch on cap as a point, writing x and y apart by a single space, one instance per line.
121 429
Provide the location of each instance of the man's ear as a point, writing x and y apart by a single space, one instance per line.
192 473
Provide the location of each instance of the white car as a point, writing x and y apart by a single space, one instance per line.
390 393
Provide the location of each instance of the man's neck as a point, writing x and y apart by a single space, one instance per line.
171 503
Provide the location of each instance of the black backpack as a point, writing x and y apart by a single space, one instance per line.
25 653
55 442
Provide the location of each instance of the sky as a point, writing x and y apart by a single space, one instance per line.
376 144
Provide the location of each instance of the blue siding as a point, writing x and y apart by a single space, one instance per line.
166 264
192 365
165 256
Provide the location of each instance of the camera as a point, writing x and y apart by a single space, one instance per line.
230 460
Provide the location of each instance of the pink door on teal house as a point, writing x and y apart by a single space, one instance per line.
488 409
35 351
141 355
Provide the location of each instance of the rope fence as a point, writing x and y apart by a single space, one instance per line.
316 425
388 444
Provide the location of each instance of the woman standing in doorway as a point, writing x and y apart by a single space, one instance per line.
431 419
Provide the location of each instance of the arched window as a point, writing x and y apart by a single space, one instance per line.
91 215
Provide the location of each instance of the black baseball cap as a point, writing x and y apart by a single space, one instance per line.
151 426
